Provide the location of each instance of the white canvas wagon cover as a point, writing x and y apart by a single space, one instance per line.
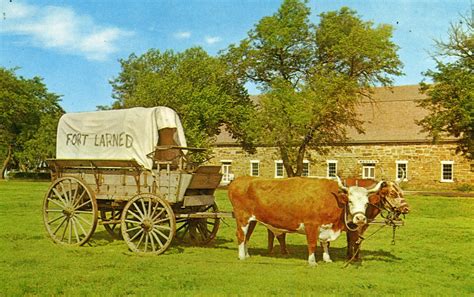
122 134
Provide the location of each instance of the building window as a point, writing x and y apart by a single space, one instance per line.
447 171
368 171
402 170
226 171
254 168
279 169
331 168
305 168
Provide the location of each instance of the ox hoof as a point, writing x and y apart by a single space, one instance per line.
244 257
327 259
312 260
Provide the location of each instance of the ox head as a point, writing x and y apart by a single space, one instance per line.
358 200
391 198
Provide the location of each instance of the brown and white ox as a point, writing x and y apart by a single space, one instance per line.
389 198
314 207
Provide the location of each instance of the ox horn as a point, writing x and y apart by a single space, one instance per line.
377 187
341 186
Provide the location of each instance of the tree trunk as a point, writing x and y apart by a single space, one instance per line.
6 161
300 159
286 162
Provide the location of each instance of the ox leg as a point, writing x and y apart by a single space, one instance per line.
312 235
243 235
271 239
326 256
352 245
250 229
282 240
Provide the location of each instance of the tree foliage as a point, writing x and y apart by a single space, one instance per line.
312 76
450 99
198 86
28 119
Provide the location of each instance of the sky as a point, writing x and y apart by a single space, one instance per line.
75 46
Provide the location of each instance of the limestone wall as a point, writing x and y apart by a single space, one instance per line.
423 162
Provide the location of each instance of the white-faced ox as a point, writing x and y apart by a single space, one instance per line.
314 207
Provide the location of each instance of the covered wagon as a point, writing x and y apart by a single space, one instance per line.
127 170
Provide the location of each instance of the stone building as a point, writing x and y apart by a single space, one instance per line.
392 147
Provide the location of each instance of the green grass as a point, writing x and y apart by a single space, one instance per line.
432 257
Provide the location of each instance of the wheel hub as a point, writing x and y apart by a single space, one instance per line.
68 211
147 225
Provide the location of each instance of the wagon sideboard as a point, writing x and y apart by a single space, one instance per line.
119 180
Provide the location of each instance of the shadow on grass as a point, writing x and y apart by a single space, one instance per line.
337 254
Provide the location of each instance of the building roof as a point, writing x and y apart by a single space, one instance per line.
391 118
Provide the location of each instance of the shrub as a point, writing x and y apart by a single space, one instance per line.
465 188
30 175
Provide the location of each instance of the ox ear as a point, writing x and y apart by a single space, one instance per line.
341 199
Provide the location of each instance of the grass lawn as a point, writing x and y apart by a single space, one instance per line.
433 256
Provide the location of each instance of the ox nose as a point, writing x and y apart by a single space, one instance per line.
405 210
359 219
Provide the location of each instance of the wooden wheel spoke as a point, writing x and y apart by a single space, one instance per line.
133 222
54 220
160 233
56 203
66 196
149 208
144 208
136 235
160 221
134 228
78 200
202 228
140 241
138 209
60 197
73 222
135 215
157 238
146 240
59 226
158 215
65 229
157 205
84 220
54 210
162 227
83 204
153 248
80 226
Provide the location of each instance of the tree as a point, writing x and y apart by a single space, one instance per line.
28 119
450 98
312 76
197 86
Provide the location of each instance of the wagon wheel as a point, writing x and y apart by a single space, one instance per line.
198 231
148 224
70 211
112 215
